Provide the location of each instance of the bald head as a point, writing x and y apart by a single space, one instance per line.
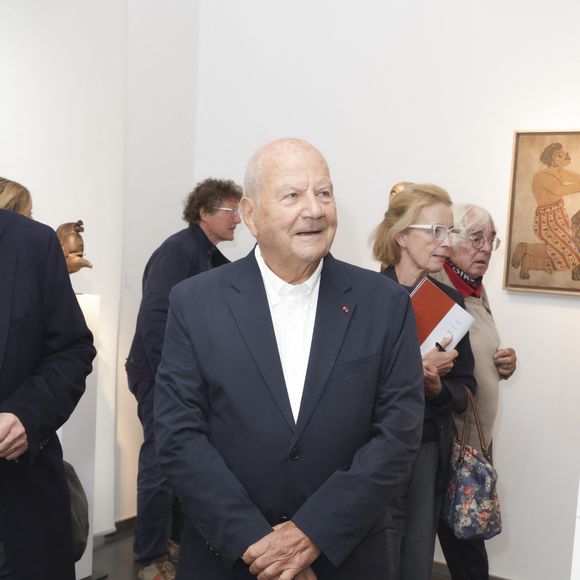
289 207
268 157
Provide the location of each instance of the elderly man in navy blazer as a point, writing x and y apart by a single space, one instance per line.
289 399
45 354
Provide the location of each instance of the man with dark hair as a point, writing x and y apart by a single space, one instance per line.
46 352
211 210
207 196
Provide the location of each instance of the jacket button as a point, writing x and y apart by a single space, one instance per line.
295 453
284 519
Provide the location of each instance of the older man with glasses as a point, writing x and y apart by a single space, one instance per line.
211 211
470 254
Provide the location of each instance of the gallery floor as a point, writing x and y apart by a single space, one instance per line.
113 557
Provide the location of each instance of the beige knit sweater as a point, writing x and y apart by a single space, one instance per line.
484 342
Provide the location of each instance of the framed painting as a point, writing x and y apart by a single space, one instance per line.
543 241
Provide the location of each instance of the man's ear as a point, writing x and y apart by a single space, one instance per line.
248 207
202 215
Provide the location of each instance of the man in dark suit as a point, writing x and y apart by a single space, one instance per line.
211 211
289 399
45 354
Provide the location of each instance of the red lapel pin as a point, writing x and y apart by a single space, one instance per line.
346 309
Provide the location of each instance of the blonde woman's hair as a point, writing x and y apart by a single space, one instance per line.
401 213
13 196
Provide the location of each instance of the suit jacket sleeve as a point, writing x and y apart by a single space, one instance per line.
345 508
47 397
224 513
170 266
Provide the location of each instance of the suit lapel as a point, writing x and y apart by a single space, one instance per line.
336 305
249 306
7 268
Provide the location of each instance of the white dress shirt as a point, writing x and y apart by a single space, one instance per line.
293 310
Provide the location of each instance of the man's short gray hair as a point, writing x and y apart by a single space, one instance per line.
470 218
253 174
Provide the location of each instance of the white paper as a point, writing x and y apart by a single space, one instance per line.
456 323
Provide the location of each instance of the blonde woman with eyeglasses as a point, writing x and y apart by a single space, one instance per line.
413 241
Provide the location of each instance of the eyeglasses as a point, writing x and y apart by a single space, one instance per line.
233 210
479 240
438 231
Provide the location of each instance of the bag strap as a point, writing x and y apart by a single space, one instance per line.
464 430
472 408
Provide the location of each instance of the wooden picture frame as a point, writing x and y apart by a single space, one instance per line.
543 238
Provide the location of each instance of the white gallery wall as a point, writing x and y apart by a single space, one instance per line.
111 111
418 91
424 91
160 135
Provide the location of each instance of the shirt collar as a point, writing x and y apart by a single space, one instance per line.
203 240
214 256
276 288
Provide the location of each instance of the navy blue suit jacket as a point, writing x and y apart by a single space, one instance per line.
227 439
45 354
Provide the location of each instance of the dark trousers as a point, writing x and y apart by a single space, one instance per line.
154 494
177 520
5 573
466 559
414 514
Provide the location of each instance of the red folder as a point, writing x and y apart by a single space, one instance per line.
438 316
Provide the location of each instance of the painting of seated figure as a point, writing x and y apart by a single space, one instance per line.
543 249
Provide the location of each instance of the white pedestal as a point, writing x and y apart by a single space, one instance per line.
78 433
